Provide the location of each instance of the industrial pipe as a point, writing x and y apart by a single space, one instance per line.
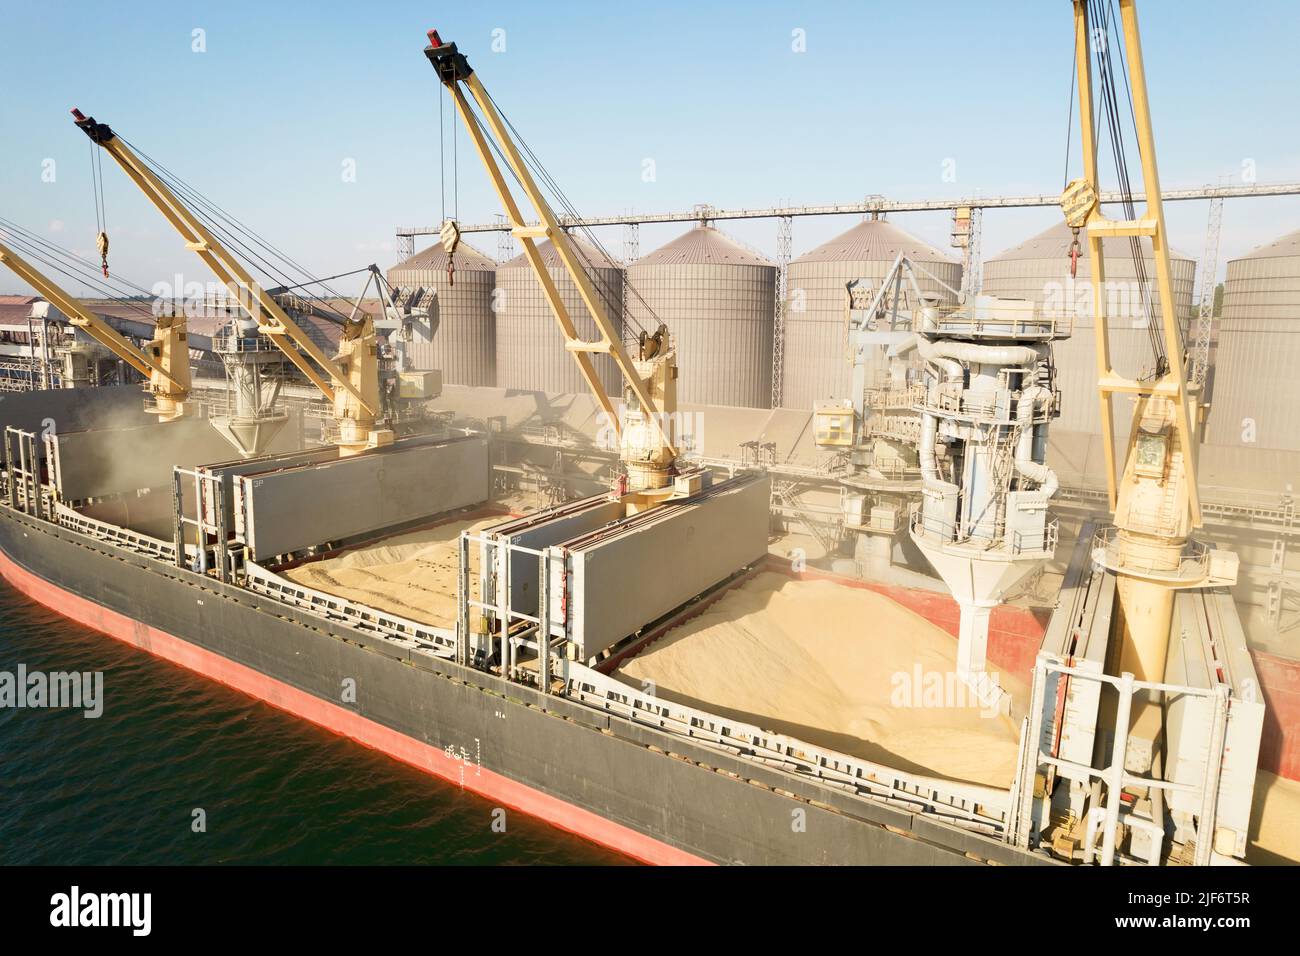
929 462
1002 356
952 370
1025 464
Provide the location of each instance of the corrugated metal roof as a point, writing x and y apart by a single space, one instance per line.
468 259
19 299
703 244
1054 243
551 258
1288 245
875 239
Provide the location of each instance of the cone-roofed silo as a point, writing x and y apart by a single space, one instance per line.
1039 270
530 352
815 363
1256 371
463 346
718 299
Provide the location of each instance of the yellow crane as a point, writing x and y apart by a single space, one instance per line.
165 361
351 379
1154 498
647 443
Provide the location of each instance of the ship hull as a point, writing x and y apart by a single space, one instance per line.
650 795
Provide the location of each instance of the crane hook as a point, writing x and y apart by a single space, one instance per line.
101 243
1074 253
450 236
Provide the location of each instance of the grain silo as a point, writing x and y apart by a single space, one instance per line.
463 345
1039 270
718 299
1256 384
815 362
530 352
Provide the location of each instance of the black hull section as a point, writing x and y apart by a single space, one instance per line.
670 791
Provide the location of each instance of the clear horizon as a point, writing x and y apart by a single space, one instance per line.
268 110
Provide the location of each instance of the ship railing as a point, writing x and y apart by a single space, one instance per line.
989 535
965 321
499 619
1187 562
972 806
979 407
210 522
1038 758
441 641
22 460
123 537
891 396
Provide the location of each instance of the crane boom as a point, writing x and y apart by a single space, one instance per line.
166 363
1154 500
357 376
1084 210
650 378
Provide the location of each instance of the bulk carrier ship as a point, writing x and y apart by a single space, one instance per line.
139 523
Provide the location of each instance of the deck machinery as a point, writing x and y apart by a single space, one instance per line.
590 573
350 380
877 427
1144 721
164 362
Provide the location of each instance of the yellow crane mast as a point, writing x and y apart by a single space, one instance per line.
647 442
1154 499
165 361
351 380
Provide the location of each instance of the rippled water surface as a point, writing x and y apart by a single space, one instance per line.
123 788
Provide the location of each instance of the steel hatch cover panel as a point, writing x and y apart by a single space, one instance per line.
633 577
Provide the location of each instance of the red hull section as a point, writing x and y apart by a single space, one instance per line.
344 722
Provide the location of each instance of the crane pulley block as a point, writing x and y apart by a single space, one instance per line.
101 243
1077 202
449 63
98 132
450 236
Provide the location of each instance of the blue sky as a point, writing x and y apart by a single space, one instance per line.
286 93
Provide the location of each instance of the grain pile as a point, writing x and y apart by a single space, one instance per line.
839 667
412 575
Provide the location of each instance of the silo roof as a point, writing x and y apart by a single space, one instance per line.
1288 245
1054 243
873 240
551 258
704 244
467 259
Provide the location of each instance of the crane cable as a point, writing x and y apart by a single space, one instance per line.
56 259
449 231
97 196
1115 129
250 245
571 213
1075 250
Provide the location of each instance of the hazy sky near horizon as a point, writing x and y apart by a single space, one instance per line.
285 99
